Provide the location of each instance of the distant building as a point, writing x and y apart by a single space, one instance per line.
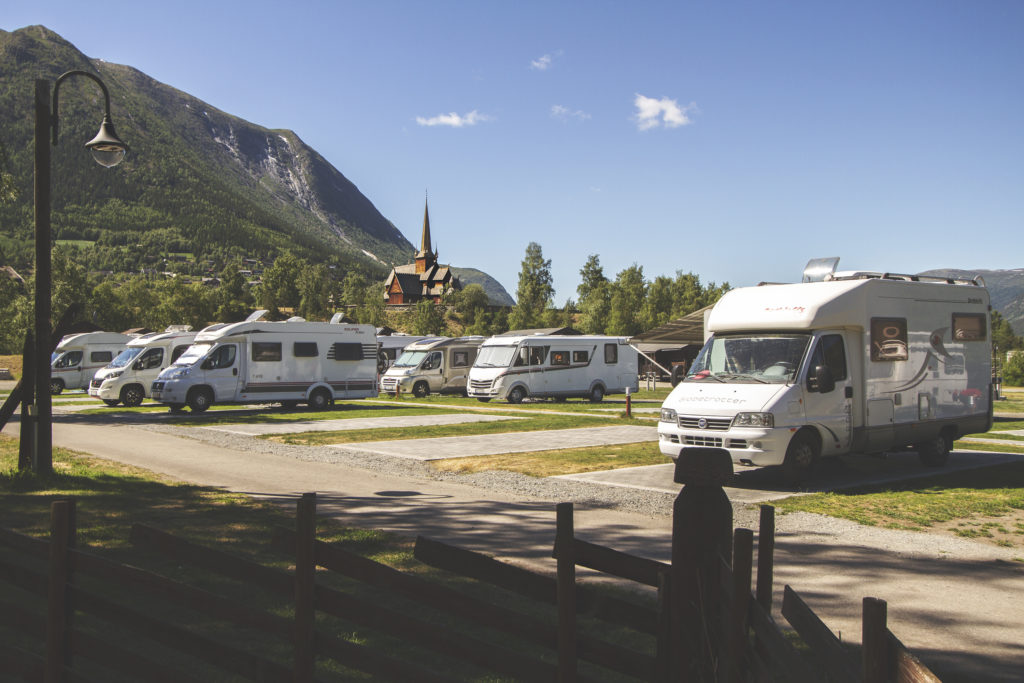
422 279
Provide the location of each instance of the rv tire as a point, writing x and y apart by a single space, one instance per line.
132 395
597 393
111 402
801 456
177 408
56 386
289 405
516 395
483 399
320 399
934 453
421 390
199 400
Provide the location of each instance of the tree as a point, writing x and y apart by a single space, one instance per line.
596 310
314 287
591 277
280 283
658 305
233 299
428 320
627 300
1013 369
470 303
533 295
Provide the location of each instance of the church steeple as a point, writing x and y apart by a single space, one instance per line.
425 257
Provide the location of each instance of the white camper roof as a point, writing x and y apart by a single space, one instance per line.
83 338
836 303
182 332
221 330
550 339
438 342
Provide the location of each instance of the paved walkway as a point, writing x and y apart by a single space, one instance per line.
440 448
357 423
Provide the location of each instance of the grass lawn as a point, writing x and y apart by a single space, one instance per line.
12 363
986 503
553 463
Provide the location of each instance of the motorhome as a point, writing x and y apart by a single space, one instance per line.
433 365
553 366
853 362
128 378
78 356
391 347
286 362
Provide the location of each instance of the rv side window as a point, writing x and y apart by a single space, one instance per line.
830 352
101 356
223 357
266 351
580 357
70 360
178 350
151 359
559 357
538 354
522 357
460 359
889 339
433 361
968 327
345 351
611 353
305 350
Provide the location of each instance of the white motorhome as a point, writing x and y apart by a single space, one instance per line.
78 356
437 364
392 346
851 363
272 362
553 366
128 378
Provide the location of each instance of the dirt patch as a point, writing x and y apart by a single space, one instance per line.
1006 530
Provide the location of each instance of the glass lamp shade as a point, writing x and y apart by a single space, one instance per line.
107 149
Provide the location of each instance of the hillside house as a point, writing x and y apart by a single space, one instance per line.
422 279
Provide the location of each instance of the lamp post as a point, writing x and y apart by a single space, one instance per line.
108 150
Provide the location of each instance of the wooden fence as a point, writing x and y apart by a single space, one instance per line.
71 615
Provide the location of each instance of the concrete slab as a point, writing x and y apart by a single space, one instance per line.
493 444
357 423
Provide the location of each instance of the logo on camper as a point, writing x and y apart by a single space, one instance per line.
702 423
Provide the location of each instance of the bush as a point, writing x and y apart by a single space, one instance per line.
1013 370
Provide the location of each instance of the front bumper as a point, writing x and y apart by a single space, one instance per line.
755 446
169 391
108 391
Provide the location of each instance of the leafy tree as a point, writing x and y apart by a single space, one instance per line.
591 277
234 301
314 288
1013 370
659 303
280 283
533 295
470 303
428 320
596 311
1003 337
371 310
627 300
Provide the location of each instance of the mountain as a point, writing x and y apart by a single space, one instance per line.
197 182
496 294
1005 289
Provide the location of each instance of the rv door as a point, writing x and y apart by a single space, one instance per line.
828 393
222 371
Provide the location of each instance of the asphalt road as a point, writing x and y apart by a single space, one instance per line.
956 604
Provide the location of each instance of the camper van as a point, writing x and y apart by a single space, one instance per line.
846 363
391 347
553 366
438 364
78 356
128 378
272 362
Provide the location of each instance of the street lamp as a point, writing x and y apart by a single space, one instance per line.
108 150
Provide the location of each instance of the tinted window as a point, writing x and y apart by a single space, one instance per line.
538 354
559 357
101 356
223 357
889 339
266 351
968 327
69 360
150 359
611 353
178 350
460 359
305 350
346 351
580 357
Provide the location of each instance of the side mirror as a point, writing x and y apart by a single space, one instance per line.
207 365
137 365
822 380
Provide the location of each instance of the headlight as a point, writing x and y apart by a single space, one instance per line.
668 415
754 420
114 375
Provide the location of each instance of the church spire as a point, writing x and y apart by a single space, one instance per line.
425 241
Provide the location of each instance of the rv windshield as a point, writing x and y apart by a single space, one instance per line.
125 357
409 359
758 359
495 356
193 354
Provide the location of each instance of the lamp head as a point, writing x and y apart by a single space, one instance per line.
107 149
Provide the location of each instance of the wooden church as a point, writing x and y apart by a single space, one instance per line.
422 279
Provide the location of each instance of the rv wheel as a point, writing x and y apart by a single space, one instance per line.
516 395
199 400
420 389
483 399
597 394
56 386
177 408
934 453
320 399
111 402
132 395
800 457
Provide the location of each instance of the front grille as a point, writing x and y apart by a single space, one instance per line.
389 383
96 383
718 424
480 385
708 441
158 386
737 443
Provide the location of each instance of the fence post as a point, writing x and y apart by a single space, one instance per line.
701 537
875 641
742 565
566 592
58 625
26 440
305 577
664 644
766 557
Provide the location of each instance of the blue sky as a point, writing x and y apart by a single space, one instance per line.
735 140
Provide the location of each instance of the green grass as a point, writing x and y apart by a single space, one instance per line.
558 462
75 243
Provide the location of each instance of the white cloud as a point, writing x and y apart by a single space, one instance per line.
541 63
651 113
453 120
564 113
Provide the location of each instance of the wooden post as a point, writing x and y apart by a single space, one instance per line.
742 569
664 644
27 429
701 537
58 627
566 592
766 557
305 586
629 407
875 641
